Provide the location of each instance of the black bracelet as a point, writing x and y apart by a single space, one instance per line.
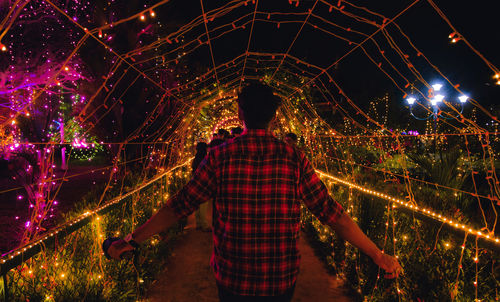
133 243
130 240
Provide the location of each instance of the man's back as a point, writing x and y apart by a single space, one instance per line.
256 215
257 183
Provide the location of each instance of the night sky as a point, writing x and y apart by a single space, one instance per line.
359 77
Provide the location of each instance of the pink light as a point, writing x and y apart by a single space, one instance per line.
27 224
19 197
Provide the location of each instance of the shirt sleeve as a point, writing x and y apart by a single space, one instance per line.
315 194
198 190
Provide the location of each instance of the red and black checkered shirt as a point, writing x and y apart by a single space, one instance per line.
257 183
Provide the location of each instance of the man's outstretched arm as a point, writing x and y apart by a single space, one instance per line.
346 228
160 221
199 189
329 212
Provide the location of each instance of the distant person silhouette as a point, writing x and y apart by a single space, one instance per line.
291 138
202 212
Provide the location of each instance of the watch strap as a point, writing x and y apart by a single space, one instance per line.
130 240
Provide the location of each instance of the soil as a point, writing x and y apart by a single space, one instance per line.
188 277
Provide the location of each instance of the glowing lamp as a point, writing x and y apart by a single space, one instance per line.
463 98
437 87
3 47
142 17
411 100
437 99
152 13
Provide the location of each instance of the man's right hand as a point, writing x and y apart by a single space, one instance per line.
389 264
119 247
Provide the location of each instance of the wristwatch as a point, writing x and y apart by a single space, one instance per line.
130 240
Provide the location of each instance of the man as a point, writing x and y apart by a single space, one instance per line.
202 212
235 131
291 139
257 183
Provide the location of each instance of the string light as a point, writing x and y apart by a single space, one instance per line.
191 88
412 207
35 243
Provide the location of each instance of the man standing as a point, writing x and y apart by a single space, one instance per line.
291 139
257 183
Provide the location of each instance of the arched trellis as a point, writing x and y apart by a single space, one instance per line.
299 80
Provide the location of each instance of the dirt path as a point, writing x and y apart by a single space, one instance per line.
188 276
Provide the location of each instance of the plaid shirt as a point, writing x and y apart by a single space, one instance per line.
257 183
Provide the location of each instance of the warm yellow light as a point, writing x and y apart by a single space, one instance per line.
410 206
3 47
152 13
66 68
142 17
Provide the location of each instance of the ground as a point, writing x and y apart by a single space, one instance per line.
188 277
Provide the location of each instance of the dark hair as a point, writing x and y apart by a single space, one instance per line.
201 147
223 132
258 104
215 142
236 131
292 136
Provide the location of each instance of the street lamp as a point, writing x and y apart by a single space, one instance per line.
437 87
434 99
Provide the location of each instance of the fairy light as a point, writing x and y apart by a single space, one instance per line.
424 211
349 125
88 213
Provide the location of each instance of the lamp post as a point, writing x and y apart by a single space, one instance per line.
435 97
